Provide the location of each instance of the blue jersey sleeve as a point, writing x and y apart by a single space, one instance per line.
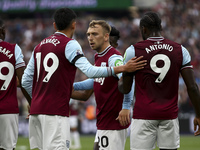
84 85
92 71
73 51
186 56
74 54
27 78
19 57
114 61
128 98
130 53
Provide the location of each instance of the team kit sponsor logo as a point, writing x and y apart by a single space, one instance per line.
101 80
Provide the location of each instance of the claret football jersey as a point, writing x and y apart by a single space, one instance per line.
156 86
11 58
108 98
53 77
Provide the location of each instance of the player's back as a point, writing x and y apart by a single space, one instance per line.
157 83
8 86
53 77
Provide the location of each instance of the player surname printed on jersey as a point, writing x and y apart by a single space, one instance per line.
159 46
5 52
52 41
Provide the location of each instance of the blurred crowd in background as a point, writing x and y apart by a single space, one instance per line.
180 22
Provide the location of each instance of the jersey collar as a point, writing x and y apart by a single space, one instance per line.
60 33
155 38
105 51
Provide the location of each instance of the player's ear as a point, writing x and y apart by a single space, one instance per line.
143 29
54 25
106 36
74 25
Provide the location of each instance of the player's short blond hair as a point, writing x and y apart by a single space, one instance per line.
106 27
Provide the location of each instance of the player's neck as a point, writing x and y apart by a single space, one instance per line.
66 32
104 47
155 34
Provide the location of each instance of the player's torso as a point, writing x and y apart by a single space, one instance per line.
108 98
8 87
157 83
53 77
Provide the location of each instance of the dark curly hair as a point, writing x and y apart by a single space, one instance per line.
63 17
151 21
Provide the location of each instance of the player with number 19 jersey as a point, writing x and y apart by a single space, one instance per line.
50 74
11 58
52 70
157 84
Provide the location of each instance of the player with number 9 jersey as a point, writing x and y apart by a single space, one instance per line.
155 114
12 67
156 91
11 59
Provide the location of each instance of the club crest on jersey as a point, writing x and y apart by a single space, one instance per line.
103 64
67 143
79 52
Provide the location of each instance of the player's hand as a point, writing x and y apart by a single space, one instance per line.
135 64
196 126
28 107
124 117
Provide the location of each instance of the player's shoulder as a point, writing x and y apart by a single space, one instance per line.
172 42
7 46
114 51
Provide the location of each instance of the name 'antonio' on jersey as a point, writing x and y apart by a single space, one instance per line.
157 84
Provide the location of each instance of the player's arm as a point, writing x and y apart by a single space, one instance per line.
20 72
84 85
194 95
192 88
74 54
82 90
124 114
82 95
125 83
27 78
20 66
